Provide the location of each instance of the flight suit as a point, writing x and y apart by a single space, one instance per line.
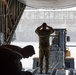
44 45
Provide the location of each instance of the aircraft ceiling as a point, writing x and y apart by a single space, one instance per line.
49 4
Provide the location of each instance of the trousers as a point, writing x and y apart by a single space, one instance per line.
44 52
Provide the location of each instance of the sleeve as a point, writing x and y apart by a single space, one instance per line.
51 30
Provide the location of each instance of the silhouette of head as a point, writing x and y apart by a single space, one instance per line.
44 25
27 51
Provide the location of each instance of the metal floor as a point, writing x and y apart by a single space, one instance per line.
55 72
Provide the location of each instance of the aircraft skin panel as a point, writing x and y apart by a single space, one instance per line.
50 4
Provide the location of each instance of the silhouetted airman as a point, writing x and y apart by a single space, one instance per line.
44 32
